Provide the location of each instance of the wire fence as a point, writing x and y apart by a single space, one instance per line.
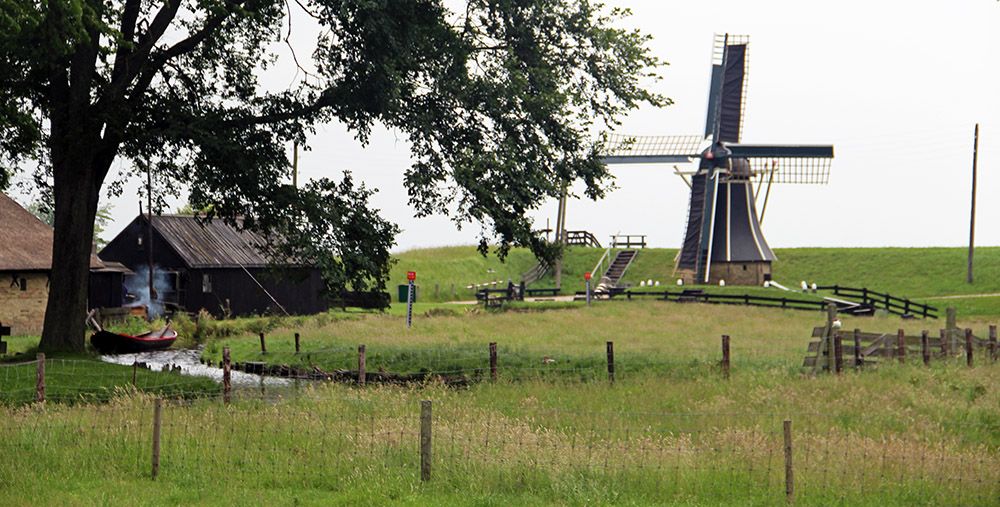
313 441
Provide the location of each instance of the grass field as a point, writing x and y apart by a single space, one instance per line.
922 274
669 430
552 429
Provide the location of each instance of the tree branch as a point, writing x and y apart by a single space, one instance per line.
129 18
325 99
139 57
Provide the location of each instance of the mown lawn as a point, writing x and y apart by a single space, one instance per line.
921 274
448 338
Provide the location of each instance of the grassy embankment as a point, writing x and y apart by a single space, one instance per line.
921 274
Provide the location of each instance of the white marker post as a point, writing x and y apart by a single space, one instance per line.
411 276
586 276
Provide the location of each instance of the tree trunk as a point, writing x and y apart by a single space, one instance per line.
76 191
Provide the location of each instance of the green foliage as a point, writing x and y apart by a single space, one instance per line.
135 326
497 99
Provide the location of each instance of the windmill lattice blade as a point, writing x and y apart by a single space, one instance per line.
623 149
730 86
801 170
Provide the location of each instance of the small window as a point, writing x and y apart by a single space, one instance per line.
744 267
206 283
23 283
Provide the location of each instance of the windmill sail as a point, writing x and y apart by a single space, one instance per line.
730 67
723 237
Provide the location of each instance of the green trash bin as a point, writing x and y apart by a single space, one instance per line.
404 291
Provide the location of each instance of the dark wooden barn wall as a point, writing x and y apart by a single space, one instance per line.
105 290
298 291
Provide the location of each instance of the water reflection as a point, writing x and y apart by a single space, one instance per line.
189 362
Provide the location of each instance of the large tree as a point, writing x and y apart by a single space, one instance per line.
498 99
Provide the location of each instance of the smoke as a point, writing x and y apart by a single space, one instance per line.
138 286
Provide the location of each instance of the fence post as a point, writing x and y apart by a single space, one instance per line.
361 365
952 327
993 343
789 473
493 361
725 356
135 367
227 376
263 346
425 440
925 347
611 362
297 349
157 420
40 377
944 343
858 362
901 345
831 316
968 347
838 353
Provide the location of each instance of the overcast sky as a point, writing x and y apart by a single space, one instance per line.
896 86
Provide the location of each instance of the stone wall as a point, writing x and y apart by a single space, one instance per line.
734 273
23 310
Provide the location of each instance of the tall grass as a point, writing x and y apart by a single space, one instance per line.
493 445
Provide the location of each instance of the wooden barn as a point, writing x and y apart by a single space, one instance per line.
212 266
25 262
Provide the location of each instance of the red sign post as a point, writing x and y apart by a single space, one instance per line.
586 276
411 276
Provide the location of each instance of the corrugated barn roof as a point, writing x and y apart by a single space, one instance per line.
212 244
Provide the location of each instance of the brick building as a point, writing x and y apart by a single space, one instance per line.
25 261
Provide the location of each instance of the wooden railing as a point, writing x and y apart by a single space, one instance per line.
628 241
892 304
582 238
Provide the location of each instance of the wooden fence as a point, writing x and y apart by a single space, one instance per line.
881 300
860 348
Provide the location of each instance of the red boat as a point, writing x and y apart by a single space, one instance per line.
107 342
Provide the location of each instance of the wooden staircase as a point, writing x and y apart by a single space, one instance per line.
617 268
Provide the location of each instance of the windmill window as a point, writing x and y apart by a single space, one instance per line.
23 283
206 283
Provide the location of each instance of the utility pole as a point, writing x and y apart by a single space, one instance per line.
295 165
149 236
561 236
972 221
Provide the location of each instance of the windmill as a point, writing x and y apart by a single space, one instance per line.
723 238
